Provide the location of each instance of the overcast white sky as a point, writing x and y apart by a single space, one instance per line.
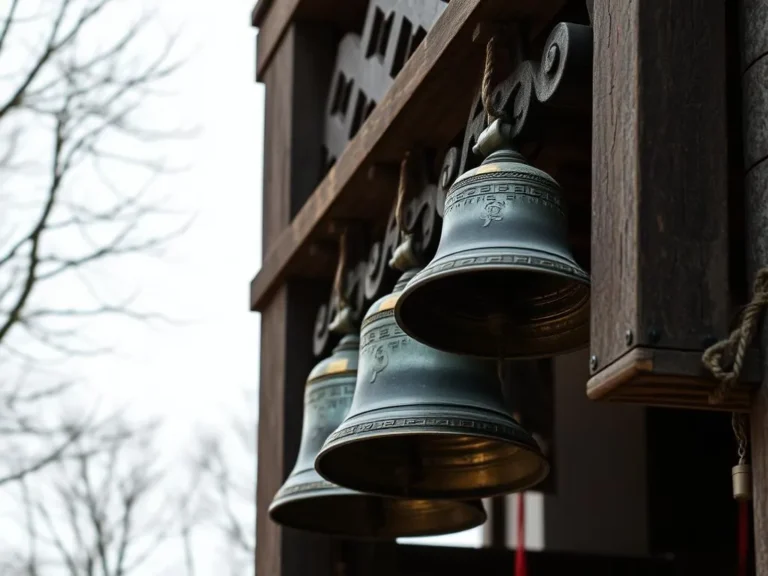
197 372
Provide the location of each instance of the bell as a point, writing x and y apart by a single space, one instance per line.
426 424
308 502
503 282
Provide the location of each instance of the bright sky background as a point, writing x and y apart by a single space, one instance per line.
197 372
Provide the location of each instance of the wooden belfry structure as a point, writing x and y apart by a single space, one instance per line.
514 259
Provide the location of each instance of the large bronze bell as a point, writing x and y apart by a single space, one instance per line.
308 502
503 282
426 424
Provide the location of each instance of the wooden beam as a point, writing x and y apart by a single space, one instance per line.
273 17
427 104
287 321
660 197
754 45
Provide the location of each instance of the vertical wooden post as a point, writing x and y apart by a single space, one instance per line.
754 20
296 88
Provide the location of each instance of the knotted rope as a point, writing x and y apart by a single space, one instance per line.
737 343
491 111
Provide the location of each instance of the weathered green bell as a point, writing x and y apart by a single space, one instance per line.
426 424
307 501
503 282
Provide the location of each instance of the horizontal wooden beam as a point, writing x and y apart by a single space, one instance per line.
670 378
427 104
272 18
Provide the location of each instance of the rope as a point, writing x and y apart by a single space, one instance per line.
338 280
401 190
491 111
735 346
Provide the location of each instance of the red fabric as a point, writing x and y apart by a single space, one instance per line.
743 538
521 569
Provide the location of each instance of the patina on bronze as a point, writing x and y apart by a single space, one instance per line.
503 282
426 424
307 501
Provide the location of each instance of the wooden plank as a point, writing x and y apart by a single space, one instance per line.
672 378
271 423
288 318
278 131
660 180
274 17
428 103
757 244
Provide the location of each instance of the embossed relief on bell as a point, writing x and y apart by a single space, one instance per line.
367 64
308 502
426 424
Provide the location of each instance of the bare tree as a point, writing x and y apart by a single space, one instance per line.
107 510
71 127
226 462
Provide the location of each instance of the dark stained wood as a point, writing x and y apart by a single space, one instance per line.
428 561
673 378
270 440
660 190
756 181
277 130
291 109
755 105
274 17
754 24
427 104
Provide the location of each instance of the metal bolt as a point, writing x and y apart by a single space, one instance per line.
628 337
593 363
654 335
550 60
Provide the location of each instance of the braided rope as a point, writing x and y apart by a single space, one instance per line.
491 111
737 343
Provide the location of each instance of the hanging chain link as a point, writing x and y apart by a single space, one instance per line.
739 424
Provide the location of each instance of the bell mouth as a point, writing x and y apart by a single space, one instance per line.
449 465
340 512
494 311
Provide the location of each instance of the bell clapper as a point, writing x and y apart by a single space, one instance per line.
741 474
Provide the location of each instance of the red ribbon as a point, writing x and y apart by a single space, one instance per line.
743 537
521 568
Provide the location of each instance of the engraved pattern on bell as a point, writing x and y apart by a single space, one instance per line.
307 501
503 281
431 425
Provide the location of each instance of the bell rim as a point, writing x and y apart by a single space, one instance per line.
421 279
532 480
472 509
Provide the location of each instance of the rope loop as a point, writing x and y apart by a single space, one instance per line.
725 359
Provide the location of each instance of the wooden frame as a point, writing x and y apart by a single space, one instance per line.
636 126
660 245
414 110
